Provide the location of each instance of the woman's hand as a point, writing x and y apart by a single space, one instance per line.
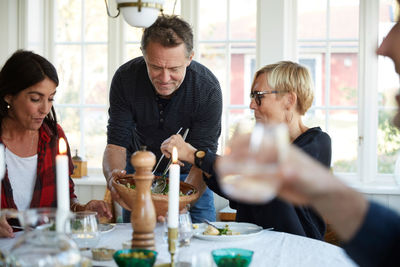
5 229
101 207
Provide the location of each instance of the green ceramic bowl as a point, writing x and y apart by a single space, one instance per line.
135 257
232 257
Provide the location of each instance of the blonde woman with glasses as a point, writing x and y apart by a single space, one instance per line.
281 93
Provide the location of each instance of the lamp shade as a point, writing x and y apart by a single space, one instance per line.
140 13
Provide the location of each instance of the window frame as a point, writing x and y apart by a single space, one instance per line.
276 40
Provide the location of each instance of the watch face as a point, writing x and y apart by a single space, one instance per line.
200 154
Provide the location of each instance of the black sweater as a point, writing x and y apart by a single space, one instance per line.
279 214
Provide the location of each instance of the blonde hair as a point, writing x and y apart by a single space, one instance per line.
287 76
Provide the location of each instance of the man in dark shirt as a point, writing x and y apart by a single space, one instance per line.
153 96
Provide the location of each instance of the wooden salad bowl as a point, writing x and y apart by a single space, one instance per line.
160 201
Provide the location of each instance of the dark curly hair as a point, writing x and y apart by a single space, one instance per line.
169 31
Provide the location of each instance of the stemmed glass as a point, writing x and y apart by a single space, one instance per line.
40 244
84 229
247 171
185 229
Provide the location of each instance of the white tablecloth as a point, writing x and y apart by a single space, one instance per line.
270 248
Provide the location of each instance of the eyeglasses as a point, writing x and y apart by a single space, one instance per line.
257 95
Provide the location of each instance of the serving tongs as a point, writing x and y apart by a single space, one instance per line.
158 186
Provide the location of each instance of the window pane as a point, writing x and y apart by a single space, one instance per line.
315 118
133 34
388 137
168 7
95 21
344 18
69 120
344 79
388 142
69 67
133 51
96 74
95 135
212 19
68 20
311 19
35 31
234 115
344 134
243 64
315 62
243 19
213 57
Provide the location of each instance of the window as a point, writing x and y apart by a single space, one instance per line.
388 138
80 56
227 46
354 89
330 44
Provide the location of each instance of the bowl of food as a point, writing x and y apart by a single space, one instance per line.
232 257
102 254
126 189
135 257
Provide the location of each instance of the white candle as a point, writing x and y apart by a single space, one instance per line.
62 185
173 194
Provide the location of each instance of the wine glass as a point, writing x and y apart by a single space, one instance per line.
185 229
84 229
247 171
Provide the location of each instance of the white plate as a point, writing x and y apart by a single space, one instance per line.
246 230
106 227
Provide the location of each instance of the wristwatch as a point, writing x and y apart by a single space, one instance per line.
198 158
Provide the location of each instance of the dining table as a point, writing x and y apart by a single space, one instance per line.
271 248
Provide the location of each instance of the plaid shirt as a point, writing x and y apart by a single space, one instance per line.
45 190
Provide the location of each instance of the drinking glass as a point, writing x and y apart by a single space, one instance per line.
84 230
247 171
185 229
40 244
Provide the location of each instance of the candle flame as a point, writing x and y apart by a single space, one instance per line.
62 146
174 155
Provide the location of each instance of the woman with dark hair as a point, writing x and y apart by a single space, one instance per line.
30 134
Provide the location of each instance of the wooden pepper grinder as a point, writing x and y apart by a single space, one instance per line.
143 214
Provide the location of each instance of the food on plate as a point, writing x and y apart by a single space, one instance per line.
210 230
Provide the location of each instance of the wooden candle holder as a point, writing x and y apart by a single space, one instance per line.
143 214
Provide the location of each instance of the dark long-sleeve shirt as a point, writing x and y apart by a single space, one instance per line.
137 116
377 243
277 213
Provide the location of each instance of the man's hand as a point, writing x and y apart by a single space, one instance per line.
185 150
114 194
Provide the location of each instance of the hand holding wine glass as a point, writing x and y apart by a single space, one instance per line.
248 170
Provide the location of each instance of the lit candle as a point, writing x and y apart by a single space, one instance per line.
62 185
173 194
